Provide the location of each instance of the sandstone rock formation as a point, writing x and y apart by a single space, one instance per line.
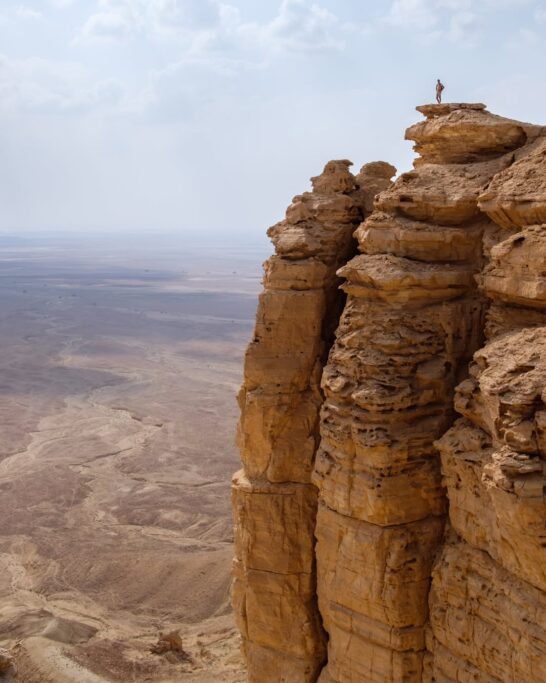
274 592
412 320
488 602
430 533
7 665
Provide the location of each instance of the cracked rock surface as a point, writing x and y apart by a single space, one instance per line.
390 519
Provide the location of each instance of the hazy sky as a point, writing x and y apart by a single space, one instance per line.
205 115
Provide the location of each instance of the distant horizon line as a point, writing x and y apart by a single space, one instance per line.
67 233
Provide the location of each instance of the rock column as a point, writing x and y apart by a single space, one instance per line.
274 591
350 506
411 323
488 601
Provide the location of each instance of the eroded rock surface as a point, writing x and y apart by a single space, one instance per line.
459 133
488 598
6 662
415 537
274 592
487 624
411 323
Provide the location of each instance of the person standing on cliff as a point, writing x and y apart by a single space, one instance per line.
439 87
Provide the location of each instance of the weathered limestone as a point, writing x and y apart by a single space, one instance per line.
515 274
412 320
496 500
386 234
488 625
274 590
274 584
517 197
6 662
488 600
347 568
441 194
460 134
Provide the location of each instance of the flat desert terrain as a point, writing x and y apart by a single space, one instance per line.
119 366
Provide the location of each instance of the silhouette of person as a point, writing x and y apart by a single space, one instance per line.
439 87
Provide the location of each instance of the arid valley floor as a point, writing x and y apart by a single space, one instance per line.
119 367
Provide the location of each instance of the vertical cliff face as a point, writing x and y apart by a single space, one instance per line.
488 601
412 320
274 591
430 554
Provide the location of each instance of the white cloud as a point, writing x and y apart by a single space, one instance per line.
413 14
212 26
27 13
455 20
122 18
40 84
108 25
302 26
540 15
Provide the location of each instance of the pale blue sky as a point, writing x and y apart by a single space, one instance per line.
205 115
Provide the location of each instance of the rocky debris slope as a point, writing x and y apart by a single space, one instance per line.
274 592
430 544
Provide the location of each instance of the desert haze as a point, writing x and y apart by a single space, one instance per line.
120 363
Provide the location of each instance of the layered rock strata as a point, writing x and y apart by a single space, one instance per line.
488 602
412 320
453 252
274 592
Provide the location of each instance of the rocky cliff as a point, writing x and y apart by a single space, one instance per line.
390 519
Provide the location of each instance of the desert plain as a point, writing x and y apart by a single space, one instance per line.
119 365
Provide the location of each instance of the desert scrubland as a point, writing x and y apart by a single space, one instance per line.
119 366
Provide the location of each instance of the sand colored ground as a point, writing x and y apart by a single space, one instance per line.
117 387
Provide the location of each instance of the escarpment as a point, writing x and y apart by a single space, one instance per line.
488 598
274 591
390 519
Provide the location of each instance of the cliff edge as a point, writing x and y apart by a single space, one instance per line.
390 519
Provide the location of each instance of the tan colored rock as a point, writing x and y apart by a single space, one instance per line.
367 541
386 402
279 516
492 235
516 274
384 233
7 664
411 322
402 281
432 111
372 179
318 224
517 197
462 135
368 569
287 339
278 436
266 666
280 399
354 658
506 390
488 597
490 624
501 319
274 584
336 178
442 194
274 504
496 500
